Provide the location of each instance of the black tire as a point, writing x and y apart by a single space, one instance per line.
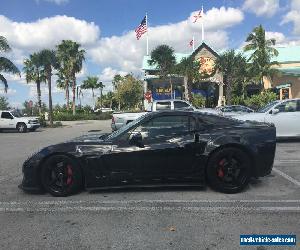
229 170
21 127
61 176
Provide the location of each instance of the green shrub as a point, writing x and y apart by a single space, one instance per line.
42 120
260 100
198 101
64 116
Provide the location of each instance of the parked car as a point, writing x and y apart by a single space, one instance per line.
120 119
169 148
284 114
13 120
230 110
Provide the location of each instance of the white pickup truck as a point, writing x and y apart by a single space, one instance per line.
120 119
11 119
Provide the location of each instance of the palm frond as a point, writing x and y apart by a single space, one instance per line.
4 81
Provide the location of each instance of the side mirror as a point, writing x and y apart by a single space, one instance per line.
137 140
275 111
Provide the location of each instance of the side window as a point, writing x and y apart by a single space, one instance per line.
166 126
289 106
6 115
163 106
180 105
298 105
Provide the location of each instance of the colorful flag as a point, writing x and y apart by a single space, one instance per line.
141 29
191 43
198 16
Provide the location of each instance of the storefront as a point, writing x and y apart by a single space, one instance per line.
287 83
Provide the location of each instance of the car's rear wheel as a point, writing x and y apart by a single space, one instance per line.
21 127
229 170
61 175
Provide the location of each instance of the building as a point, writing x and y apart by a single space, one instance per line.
287 83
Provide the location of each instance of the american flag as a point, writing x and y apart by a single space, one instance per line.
141 29
191 43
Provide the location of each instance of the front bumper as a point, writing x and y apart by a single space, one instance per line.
31 180
33 126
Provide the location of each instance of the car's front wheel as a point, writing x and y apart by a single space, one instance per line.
21 127
229 170
61 175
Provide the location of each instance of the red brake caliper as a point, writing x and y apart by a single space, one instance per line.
221 169
69 175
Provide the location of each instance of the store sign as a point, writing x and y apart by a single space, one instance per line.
207 65
163 91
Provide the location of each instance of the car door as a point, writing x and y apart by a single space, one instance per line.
286 118
7 120
168 154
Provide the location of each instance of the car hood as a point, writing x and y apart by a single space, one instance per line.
260 117
90 137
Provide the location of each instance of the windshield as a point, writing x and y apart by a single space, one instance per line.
125 128
267 107
16 113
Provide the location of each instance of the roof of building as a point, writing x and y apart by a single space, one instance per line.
286 55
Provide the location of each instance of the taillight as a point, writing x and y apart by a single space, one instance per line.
112 120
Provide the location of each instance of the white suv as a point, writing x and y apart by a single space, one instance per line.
14 120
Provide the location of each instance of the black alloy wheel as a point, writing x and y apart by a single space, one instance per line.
61 176
22 128
229 170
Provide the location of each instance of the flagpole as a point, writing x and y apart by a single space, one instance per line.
147 35
193 43
202 26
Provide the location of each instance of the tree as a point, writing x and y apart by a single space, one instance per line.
5 64
262 53
62 82
4 105
189 68
233 66
71 58
130 91
164 59
48 61
34 72
116 83
92 82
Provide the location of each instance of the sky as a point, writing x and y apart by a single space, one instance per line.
105 30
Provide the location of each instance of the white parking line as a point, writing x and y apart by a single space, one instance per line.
289 178
151 208
134 202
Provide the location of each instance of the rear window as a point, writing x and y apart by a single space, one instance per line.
180 105
163 106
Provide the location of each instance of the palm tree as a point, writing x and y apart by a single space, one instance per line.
71 57
62 82
48 61
5 64
189 68
233 66
163 58
92 83
262 53
34 71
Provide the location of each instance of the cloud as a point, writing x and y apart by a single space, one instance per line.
278 36
262 7
293 16
10 91
47 32
58 2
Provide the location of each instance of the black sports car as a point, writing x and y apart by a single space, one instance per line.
174 148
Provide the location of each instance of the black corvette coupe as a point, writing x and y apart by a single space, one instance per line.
174 148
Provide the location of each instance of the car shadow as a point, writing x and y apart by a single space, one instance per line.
147 189
13 131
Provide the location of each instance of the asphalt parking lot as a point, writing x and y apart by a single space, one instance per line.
182 218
